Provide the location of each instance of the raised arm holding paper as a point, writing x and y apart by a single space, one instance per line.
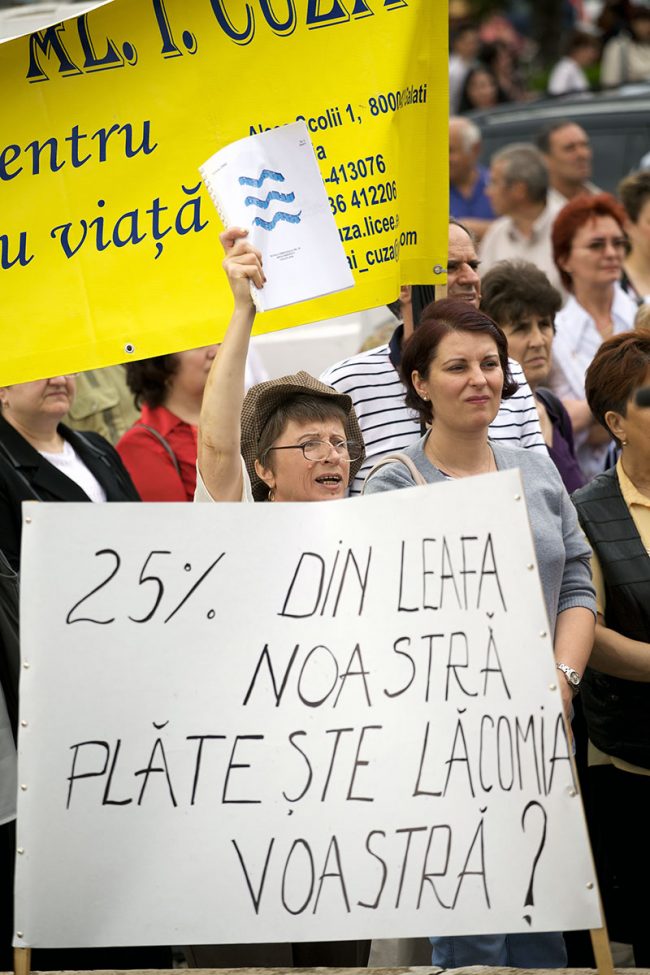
299 440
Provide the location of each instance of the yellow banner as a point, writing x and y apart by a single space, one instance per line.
108 240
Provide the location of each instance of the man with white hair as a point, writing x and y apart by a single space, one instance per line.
468 200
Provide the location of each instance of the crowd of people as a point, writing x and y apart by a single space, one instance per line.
493 62
535 359
565 272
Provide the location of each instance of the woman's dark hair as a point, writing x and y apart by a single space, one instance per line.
464 27
490 51
616 371
148 379
439 319
579 39
575 215
513 290
464 103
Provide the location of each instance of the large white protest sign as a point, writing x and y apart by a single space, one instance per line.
292 722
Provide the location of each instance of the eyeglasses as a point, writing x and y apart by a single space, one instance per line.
600 244
347 450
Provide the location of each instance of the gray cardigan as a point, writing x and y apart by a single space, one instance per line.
563 554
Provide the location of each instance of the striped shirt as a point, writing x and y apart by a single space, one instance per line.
371 380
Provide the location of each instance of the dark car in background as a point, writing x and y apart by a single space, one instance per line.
617 122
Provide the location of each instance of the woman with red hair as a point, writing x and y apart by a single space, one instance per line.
589 246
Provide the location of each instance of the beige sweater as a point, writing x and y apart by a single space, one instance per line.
624 59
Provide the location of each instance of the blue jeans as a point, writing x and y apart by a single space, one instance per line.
544 950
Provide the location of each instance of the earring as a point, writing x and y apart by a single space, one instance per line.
623 443
424 397
271 495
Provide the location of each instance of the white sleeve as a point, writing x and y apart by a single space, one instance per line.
557 79
201 493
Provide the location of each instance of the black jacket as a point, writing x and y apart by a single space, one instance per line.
27 476
617 710
9 647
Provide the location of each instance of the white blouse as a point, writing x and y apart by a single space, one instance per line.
70 463
576 342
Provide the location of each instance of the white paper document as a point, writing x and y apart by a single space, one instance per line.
270 184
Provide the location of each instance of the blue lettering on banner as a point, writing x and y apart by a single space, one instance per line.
52 43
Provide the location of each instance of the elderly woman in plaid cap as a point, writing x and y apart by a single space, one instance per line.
289 439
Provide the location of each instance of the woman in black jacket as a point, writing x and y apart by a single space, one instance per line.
43 460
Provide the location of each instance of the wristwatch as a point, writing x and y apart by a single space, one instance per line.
572 676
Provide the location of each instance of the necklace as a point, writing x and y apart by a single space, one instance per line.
488 465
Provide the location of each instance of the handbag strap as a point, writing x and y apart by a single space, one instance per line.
398 458
159 437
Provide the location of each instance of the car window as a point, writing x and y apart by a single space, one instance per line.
619 130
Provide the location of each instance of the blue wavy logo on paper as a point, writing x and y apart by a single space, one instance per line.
270 224
254 201
271 197
265 174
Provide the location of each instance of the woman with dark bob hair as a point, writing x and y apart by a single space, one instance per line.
614 510
524 303
589 246
159 451
455 369
480 90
